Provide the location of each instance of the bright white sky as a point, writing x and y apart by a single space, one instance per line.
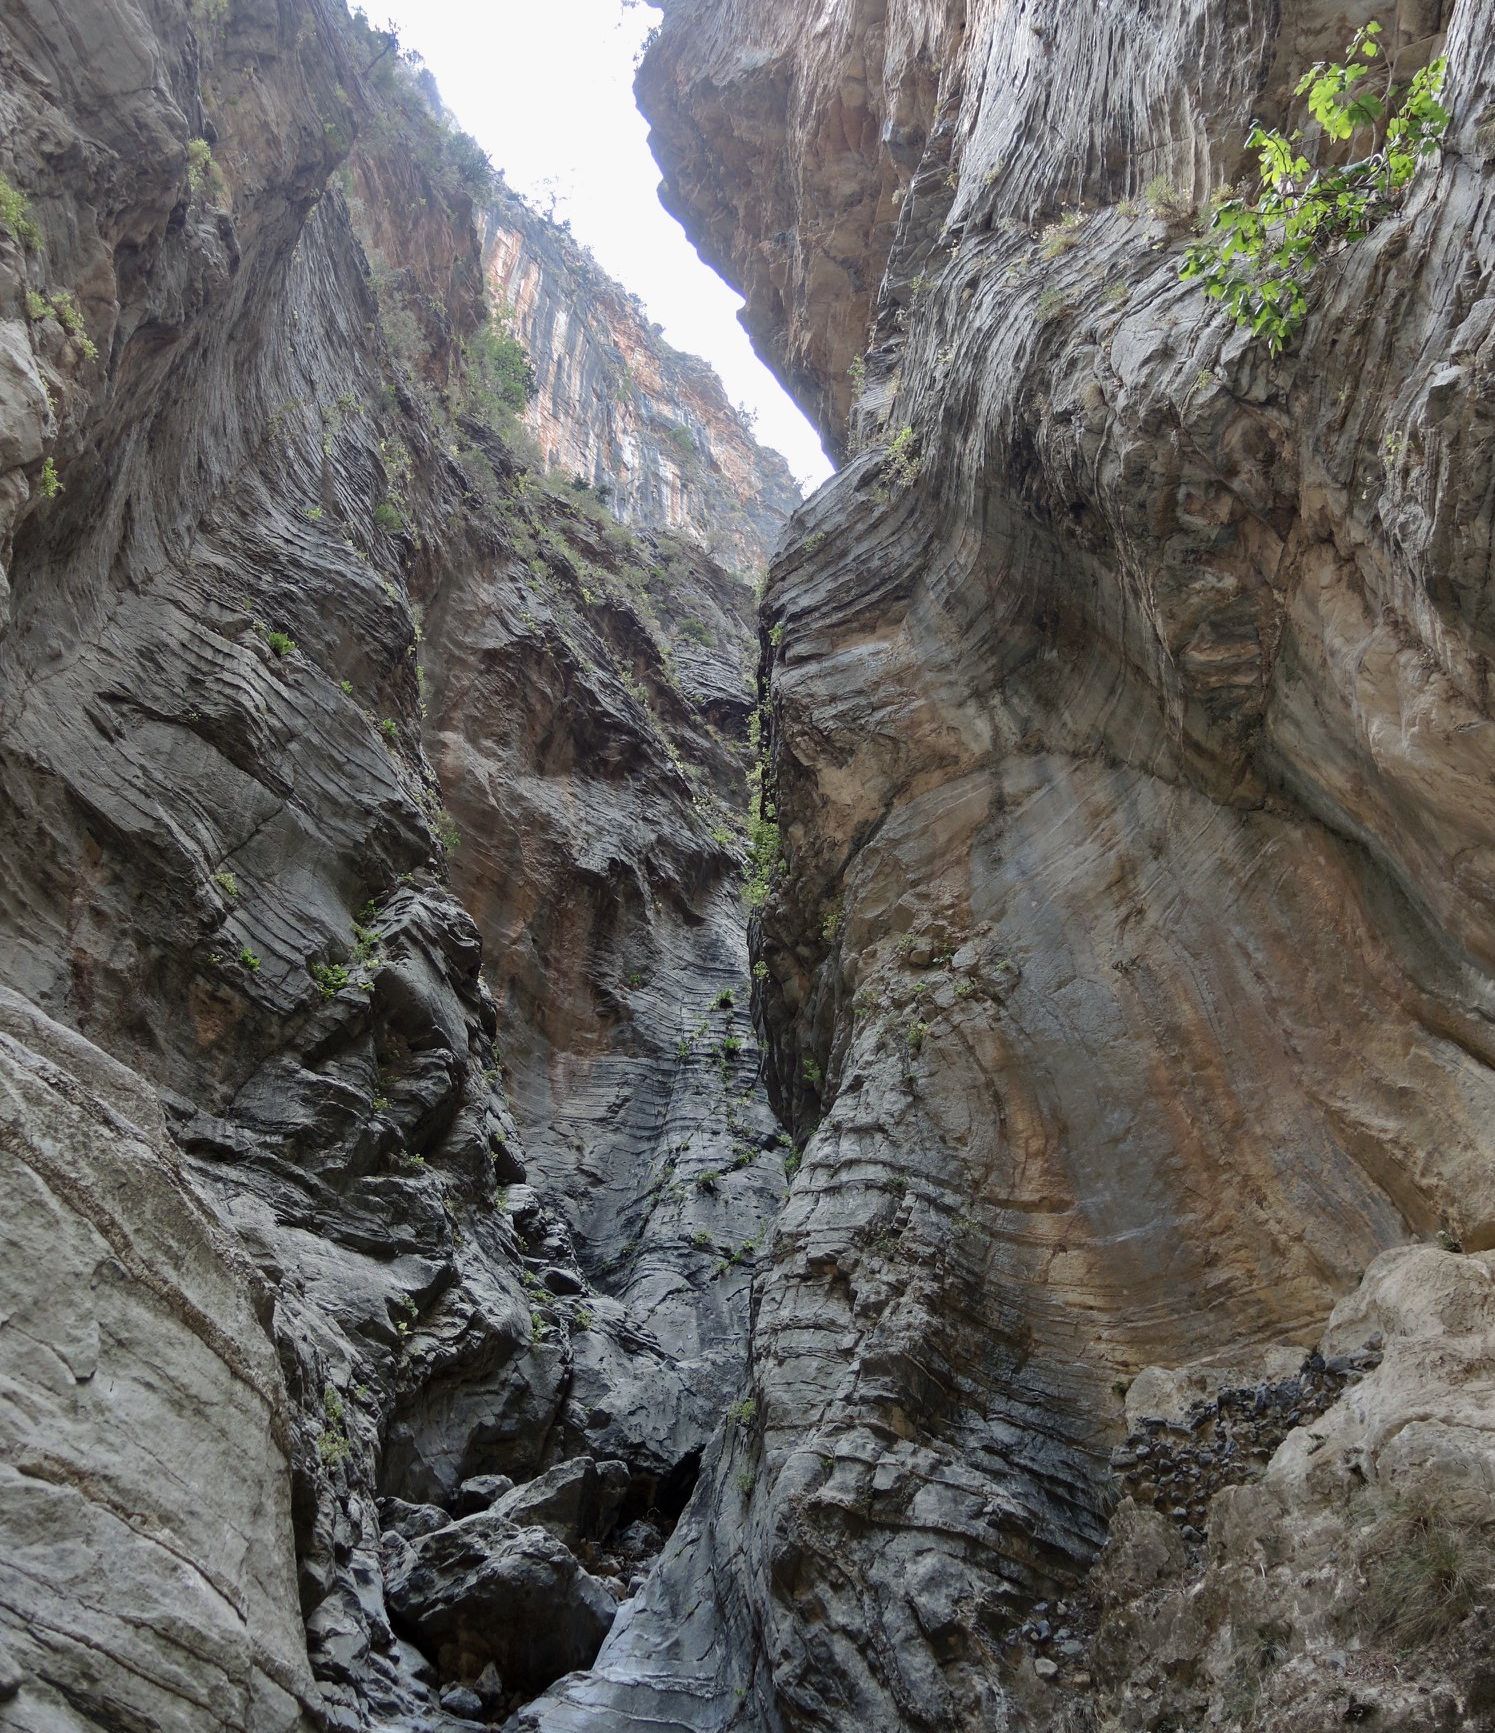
546 87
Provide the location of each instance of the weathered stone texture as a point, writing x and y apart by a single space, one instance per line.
295 657
147 1576
1125 981
622 409
1128 968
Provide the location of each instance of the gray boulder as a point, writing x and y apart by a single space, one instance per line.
478 1493
575 1501
482 1591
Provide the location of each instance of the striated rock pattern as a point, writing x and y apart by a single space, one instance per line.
620 408
310 695
411 1314
143 1421
1129 743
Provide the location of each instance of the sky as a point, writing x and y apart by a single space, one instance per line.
546 87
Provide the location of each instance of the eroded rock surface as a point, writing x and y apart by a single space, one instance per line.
622 409
1130 747
1349 1583
309 690
1122 963
147 1575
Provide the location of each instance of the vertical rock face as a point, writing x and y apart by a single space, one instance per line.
153 1582
310 693
619 407
1128 961
405 1321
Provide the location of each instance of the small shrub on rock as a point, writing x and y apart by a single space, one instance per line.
1427 1560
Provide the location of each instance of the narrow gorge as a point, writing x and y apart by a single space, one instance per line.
631 1102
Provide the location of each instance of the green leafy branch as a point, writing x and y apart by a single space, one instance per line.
1259 253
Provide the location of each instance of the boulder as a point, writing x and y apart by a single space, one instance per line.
483 1591
575 1501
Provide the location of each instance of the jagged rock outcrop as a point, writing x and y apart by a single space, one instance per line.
1128 966
1348 1583
311 697
622 409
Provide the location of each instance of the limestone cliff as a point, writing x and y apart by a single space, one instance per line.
1129 937
411 1313
622 409
365 1307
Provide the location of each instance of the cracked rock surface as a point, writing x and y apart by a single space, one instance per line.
388 1157
1128 959
412 1314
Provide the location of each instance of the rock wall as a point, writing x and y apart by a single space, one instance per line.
129 1317
410 1313
620 408
1128 957
364 1303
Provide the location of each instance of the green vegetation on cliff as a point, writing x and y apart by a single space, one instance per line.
1259 254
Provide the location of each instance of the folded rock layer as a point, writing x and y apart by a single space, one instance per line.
1130 751
411 1314
325 1233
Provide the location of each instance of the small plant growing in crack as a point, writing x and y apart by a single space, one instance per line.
902 464
1058 237
1166 201
65 308
13 215
331 978
409 1315
1258 254
333 1446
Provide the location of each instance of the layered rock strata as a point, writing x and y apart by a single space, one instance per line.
619 407
327 1235
393 1190
1128 957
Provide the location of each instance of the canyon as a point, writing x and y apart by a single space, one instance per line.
586 1152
